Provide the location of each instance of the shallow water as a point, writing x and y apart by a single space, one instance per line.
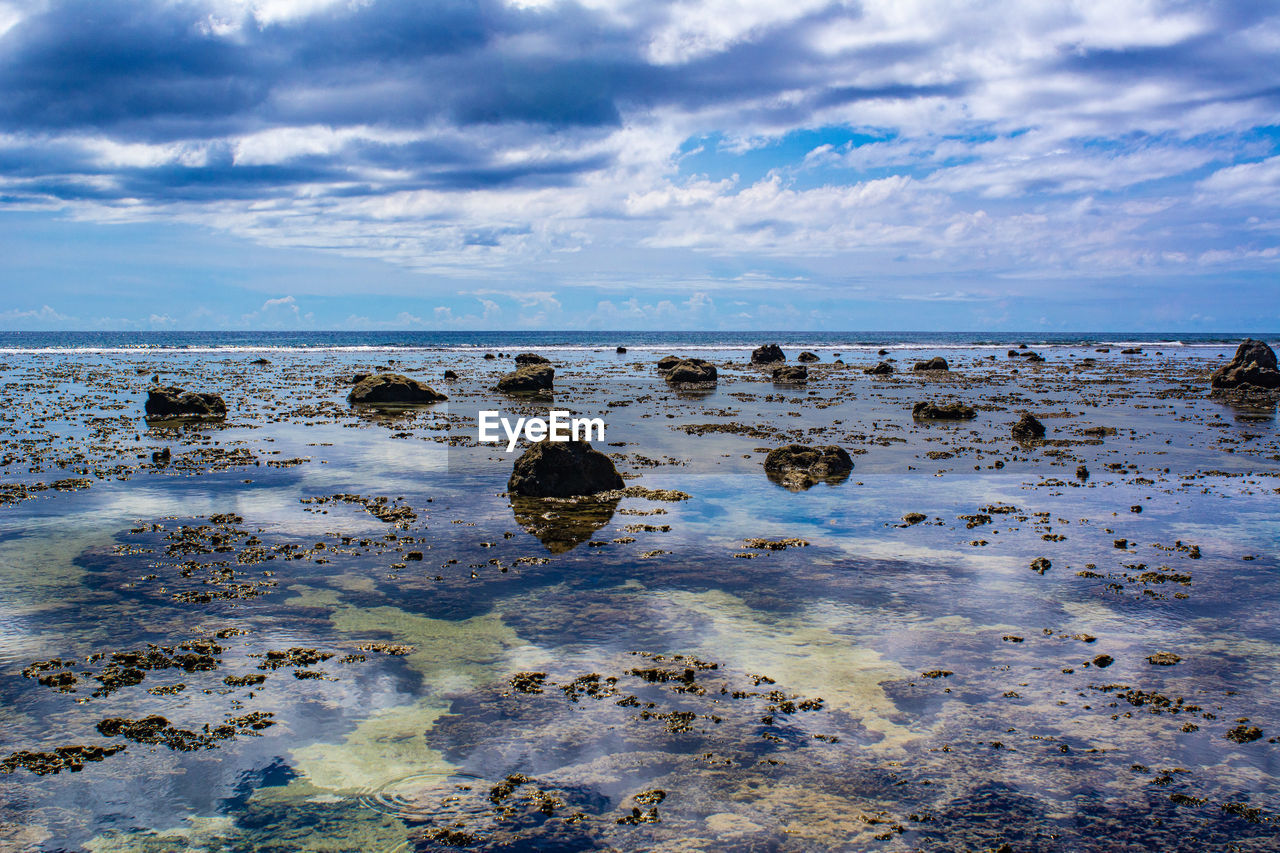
888 685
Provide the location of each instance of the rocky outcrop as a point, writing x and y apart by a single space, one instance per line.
563 469
807 357
530 379
929 411
170 402
935 363
884 368
767 354
527 358
692 371
1028 427
392 389
1253 366
792 374
800 466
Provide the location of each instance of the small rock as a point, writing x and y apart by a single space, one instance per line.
1163 659
1028 427
173 403
949 411
808 357
793 374
935 363
767 354
530 379
691 371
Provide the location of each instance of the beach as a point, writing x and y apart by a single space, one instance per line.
319 625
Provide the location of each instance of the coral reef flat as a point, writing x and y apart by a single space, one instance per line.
315 625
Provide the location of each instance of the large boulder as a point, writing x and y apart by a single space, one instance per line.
690 371
668 361
170 402
392 389
807 357
799 466
935 363
1253 365
929 411
884 368
767 354
1028 427
527 358
791 374
530 379
563 469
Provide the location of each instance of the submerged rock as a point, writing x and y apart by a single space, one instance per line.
527 358
884 368
945 412
171 402
767 354
690 371
935 363
800 466
794 374
1028 427
530 379
563 469
392 388
807 357
1254 364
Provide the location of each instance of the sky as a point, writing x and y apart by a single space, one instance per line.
640 164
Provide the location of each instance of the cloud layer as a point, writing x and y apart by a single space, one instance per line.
590 143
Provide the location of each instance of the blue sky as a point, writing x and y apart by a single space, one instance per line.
396 164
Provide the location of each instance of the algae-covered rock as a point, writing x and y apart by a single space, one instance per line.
392 389
562 469
173 403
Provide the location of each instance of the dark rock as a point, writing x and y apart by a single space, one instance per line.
767 354
800 466
692 371
562 525
882 352
1028 427
621 350
948 411
1254 364
171 403
357 378
563 469
884 368
1034 357
450 374
1103 661
530 379
808 357
527 358
392 389
935 363
1131 351
1040 565
668 361
260 361
489 356
793 374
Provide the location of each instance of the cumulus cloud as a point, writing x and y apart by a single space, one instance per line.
488 140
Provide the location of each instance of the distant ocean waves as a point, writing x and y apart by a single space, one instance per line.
356 342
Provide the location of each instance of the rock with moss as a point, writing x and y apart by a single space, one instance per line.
530 379
800 466
170 402
930 411
692 371
792 374
392 389
1028 427
1253 366
563 469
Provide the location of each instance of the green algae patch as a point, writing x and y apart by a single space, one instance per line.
807 658
389 745
453 657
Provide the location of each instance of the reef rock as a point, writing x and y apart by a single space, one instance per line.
563 469
1028 427
884 368
690 371
794 374
935 363
392 389
527 358
530 379
807 357
171 402
945 412
767 354
800 466
1254 364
